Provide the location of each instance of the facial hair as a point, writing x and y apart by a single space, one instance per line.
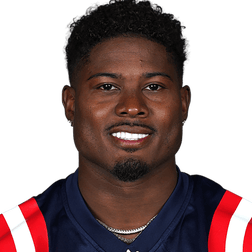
130 170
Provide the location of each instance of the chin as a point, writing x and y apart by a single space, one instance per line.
130 170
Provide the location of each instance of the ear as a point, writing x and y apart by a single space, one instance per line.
185 100
68 100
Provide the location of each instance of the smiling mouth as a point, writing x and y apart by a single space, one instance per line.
126 139
129 136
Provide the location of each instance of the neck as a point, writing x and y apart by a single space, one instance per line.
126 205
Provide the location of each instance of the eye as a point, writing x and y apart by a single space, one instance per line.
153 87
107 87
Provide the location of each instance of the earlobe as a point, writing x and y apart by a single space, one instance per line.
68 100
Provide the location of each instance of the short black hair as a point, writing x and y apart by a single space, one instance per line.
124 17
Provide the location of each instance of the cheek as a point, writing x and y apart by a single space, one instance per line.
83 127
89 123
169 115
170 126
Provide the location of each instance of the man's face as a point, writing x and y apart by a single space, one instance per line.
128 105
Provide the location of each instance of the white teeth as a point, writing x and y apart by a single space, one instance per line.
129 136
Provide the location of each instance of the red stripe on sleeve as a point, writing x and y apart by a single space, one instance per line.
36 223
247 244
6 241
220 222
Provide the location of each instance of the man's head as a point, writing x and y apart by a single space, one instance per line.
127 103
124 18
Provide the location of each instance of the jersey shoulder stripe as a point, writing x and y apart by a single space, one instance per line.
6 240
23 228
231 225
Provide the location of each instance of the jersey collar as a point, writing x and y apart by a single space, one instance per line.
149 239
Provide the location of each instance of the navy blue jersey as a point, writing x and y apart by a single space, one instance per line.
199 216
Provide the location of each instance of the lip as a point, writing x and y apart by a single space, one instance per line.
131 143
132 130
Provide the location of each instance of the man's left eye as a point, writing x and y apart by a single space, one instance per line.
153 87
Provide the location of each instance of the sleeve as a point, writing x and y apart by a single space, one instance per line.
23 228
231 227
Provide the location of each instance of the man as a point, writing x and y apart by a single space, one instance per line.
127 105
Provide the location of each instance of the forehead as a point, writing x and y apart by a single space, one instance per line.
129 57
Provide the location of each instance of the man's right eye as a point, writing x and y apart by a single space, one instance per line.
107 87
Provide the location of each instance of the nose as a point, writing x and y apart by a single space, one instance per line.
132 105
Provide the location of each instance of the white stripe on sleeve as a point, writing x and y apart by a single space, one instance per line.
19 230
237 226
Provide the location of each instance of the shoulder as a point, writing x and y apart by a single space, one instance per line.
230 216
206 194
231 227
206 185
51 198
23 228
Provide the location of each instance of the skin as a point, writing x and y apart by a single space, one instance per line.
122 84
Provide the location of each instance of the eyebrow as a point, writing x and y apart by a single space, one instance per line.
117 76
150 75
111 75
